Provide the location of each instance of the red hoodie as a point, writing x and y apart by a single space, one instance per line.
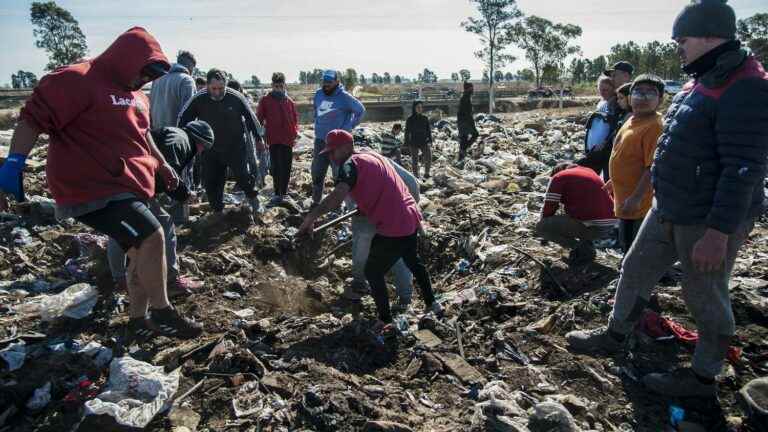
97 125
280 119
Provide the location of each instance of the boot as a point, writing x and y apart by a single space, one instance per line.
682 382
170 323
597 340
583 254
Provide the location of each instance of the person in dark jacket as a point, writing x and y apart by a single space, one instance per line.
231 117
418 138
278 114
180 148
708 176
466 121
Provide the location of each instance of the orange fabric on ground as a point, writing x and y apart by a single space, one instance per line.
632 154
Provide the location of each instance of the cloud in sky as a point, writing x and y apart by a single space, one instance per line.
402 37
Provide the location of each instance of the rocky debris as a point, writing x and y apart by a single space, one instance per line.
282 351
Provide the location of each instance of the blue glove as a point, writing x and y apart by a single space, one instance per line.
10 175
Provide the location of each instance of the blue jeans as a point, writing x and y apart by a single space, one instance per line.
116 255
363 232
320 164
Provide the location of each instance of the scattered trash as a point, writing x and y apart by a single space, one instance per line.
40 398
75 302
753 398
14 355
135 393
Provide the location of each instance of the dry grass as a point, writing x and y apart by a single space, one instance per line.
8 118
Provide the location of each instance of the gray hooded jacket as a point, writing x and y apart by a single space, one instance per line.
168 96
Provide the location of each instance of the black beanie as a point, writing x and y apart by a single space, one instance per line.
705 18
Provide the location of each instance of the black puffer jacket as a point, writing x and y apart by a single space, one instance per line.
418 132
710 162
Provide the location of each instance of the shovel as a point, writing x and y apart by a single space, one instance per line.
327 225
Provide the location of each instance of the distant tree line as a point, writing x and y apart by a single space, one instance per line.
23 79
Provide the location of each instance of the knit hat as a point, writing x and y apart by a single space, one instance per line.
201 132
705 18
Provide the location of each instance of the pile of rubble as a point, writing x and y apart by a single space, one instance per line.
280 351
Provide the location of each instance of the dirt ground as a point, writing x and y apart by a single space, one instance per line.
509 302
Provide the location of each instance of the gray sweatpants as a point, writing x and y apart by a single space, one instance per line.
363 232
658 246
116 255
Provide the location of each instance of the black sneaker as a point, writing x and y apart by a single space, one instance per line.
169 323
138 331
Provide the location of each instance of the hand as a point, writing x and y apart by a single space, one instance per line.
631 205
307 227
608 187
169 176
709 251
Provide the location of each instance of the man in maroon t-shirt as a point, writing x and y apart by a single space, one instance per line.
588 211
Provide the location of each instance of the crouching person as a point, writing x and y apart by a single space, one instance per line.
180 148
588 211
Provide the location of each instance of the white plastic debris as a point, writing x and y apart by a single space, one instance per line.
135 393
100 354
76 302
40 398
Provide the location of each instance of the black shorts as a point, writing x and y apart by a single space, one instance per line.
129 222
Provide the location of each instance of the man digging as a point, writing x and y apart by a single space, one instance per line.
382 196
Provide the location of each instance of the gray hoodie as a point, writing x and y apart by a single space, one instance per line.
168 96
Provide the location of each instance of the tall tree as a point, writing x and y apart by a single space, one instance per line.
398 79
375 78
486 78
255 81
454 77
545 42
363 80
23 79
753 31
350 78
498 76
302 77
58 33
509 77
465 75
428 76
494 27
387 78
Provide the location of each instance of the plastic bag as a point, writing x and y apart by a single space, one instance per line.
76 302
135 393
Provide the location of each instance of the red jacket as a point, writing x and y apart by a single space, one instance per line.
582 193
280 119
96 124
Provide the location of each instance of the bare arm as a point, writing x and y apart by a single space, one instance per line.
332 201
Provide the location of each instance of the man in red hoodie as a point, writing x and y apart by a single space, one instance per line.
277 113
102 164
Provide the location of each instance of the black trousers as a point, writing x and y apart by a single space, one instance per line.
281 161
465 142
385 251
215 177
628 229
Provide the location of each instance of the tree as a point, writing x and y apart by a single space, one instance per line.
302 77
494 28
387 78
58 33
454 77
428 76
465 75
526 75
23 79
349 78
509 77
363 80
498 76
545 42
398 79
753 31
375 78
255 81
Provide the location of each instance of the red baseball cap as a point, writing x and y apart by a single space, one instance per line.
337 138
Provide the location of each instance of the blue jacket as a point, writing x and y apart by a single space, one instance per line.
710 162
338 111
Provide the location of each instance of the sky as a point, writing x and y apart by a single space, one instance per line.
247 37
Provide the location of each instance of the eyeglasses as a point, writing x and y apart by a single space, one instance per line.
647 95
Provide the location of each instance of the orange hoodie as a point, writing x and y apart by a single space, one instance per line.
97 124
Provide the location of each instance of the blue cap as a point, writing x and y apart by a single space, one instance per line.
329 75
